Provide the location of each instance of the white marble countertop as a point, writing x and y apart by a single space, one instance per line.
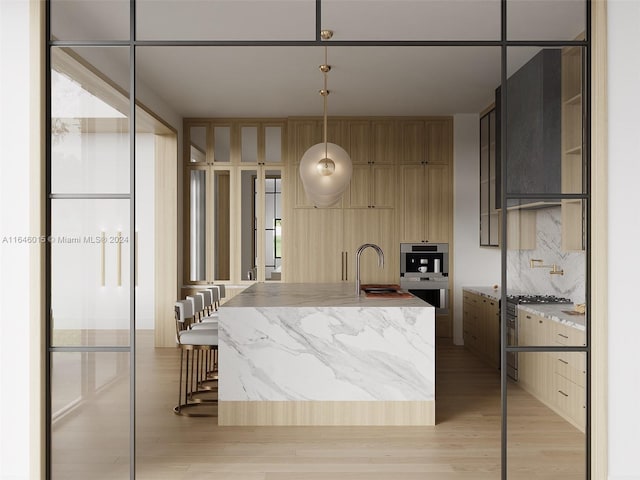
551 311
274 294
556 313
320 342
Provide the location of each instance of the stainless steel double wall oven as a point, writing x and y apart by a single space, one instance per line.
424 272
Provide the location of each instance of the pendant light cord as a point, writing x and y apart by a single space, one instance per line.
326 94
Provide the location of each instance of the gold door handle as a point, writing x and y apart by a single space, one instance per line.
119 259
102 258
136 254
346 266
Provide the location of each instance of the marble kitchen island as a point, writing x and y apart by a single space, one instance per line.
316 354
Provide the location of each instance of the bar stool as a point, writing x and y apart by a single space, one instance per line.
197 346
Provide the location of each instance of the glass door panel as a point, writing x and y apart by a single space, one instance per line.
198 144
89 125
90 424
249 144
221 144
557 20
225 20
546 411
545 122
90 21
273 214
90 251
249 228
222 225
546 277
424 20
197 184
273 142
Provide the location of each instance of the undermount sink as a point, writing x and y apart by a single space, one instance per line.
379 290
384 291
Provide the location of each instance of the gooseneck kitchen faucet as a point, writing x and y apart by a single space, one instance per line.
362 248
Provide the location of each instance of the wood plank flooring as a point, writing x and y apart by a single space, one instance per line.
465 444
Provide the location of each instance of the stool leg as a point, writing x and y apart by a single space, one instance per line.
180 382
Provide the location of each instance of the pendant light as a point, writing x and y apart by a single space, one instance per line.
325 168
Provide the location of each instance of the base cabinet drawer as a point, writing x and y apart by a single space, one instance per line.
565 335
572 366
571 400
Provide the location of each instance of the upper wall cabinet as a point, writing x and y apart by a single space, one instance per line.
372 152
533 125
426 141
426 203
246 142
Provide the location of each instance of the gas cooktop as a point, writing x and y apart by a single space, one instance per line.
524 299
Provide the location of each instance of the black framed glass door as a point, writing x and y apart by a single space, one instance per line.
91 212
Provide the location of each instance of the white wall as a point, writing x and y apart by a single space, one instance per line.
624 235
14 222
473 265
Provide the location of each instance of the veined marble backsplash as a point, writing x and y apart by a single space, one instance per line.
521 277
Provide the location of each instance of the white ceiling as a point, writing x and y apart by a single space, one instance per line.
283 81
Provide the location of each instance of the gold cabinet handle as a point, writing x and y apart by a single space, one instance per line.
346 266
563 336
136 254
563 361
562 393
119 259
102 258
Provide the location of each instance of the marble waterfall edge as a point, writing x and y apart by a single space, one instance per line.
327 353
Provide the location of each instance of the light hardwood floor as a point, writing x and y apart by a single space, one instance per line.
465 443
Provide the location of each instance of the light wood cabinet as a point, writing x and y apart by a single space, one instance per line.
471 322
557 379
535 370
316 253
303 134
426 141
370 147
370 226
570 369
481 327
425 203
491 328
521 230
327 241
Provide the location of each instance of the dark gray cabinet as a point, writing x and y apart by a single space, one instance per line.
533 129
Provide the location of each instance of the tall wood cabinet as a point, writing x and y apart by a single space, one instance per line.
400 191
370 147
425 203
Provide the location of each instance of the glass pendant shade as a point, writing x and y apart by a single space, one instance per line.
325 171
